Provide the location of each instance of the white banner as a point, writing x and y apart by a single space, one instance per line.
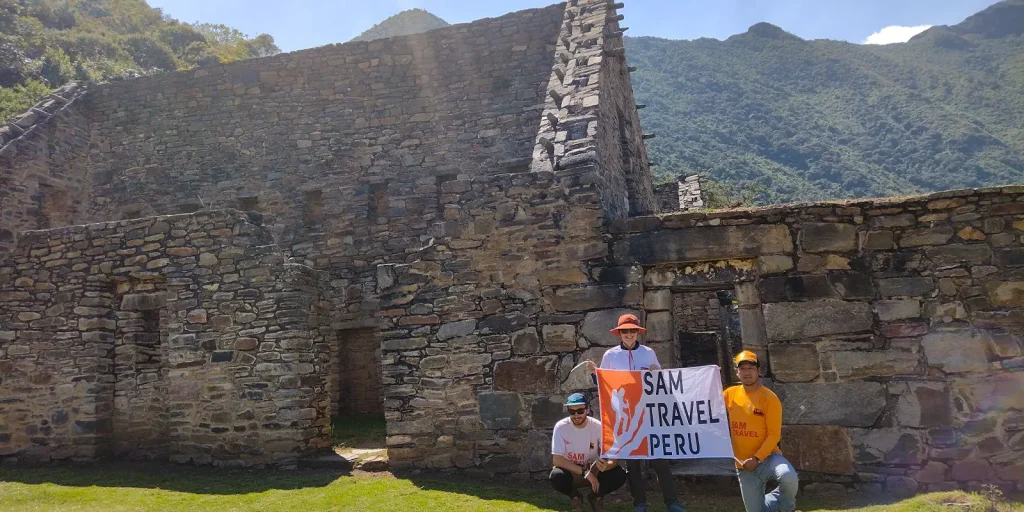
663 414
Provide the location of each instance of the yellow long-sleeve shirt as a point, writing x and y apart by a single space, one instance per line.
755 422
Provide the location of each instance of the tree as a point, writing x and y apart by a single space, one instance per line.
9 12
12 62
262 46
179 36
56 68
150 53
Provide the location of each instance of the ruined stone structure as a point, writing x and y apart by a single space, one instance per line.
184 337
683 194
437 228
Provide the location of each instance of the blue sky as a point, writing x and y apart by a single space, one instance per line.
299 24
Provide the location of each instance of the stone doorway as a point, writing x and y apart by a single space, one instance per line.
356 374
707 329
357 405
707 323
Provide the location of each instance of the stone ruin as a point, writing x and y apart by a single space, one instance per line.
205 266
683 194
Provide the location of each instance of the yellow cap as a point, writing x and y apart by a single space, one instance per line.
746 356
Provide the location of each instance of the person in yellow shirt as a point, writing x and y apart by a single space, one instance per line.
755 422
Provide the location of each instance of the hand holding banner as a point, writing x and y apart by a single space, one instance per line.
663 414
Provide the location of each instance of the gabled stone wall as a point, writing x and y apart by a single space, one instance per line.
480 331
183 337
348 150
43 156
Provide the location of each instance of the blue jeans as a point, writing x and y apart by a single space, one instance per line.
752 484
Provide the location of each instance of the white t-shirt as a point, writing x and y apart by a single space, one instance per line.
618 358
579 445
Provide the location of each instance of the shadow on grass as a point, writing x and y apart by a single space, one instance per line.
358 431
536 493
171 477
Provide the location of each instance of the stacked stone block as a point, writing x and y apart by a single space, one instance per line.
41 154
683 194
473 202
182 337
590 123
348 150
469 365
891 328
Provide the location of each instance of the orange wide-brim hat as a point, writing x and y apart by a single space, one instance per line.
628 321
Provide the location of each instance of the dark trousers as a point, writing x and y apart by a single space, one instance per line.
568 483
638 488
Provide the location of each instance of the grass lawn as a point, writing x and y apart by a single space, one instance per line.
124 487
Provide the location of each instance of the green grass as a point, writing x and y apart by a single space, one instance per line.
358 432
159 487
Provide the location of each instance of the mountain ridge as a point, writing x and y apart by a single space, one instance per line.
824 119
407 22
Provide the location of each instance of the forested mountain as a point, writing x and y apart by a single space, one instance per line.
827 119
45 43
412 21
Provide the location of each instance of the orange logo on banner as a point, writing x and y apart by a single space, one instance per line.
621 415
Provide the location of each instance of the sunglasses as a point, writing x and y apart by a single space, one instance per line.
577 412
629 331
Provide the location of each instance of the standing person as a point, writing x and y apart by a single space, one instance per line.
631 355
755 422
575 448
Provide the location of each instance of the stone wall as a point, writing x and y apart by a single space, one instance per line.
476 346
356 374
683 194
620 137
891 329
348 150
590 123
697 311
183 337
481 330
42 156
513 139
667 195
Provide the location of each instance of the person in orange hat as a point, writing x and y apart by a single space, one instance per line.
632 355
755 422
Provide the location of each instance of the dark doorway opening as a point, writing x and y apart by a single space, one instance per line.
357 406
708 330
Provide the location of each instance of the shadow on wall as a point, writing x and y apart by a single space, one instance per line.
172 477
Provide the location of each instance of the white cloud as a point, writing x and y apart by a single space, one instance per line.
895 34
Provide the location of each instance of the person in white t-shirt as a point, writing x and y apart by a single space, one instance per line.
631 355
575 454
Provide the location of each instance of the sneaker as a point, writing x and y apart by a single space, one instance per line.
596 503
675 507
577 504
640 508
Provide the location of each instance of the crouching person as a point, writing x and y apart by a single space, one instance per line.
755 421
575 447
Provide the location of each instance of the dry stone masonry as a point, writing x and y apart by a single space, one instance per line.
684 194
206 266
185 337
